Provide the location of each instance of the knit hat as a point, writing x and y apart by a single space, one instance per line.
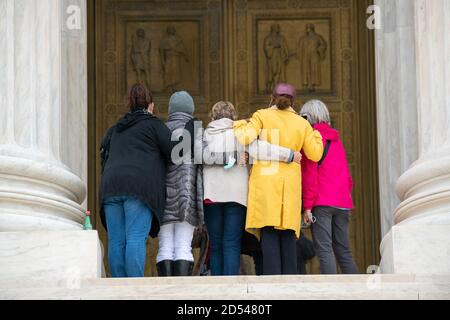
181 102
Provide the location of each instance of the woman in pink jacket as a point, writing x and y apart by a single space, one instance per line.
327 188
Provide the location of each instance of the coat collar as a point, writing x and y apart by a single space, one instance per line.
290 109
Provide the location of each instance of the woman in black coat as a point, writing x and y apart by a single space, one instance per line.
132 194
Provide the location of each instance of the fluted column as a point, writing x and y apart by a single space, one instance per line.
43 108
396 100
420 240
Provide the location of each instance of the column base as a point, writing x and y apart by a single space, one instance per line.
37 193
61 258
416 249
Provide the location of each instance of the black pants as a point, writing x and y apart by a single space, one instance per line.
279 251
257 260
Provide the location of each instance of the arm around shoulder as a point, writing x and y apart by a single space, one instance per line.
264 151
164 139
248 131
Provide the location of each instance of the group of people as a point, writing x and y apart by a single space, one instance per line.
235 177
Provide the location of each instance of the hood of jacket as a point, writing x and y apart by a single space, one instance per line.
327 132
220 126
219 136
178 120
132 118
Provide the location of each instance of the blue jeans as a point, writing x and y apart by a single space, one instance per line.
225 223
129 221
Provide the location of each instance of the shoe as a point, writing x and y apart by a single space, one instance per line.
183 268
165 268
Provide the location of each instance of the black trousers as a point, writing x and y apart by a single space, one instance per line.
279 251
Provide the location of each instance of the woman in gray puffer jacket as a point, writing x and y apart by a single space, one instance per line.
184 202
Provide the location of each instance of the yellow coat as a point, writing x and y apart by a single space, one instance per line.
275 193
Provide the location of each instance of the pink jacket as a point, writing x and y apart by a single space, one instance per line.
330 184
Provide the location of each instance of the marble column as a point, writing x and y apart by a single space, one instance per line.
396 100
43 100
419 242
43 145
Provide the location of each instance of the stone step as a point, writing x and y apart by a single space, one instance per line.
358 287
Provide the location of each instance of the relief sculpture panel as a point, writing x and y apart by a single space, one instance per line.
164 55
296 51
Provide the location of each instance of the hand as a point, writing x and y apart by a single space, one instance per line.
244 159
307 217
200 229
297 157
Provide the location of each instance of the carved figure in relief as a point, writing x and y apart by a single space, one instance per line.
140 56
277 55
311 52
172 50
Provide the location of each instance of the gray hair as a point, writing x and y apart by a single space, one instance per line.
316 111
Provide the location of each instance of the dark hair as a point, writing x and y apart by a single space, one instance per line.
138 97
283 101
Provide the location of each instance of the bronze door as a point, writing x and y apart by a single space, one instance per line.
236 50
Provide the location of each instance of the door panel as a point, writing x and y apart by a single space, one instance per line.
236 50
319 44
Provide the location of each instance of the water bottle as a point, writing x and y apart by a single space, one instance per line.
87 221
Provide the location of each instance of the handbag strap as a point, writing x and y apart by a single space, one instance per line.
325 152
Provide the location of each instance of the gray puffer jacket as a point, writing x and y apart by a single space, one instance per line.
184 182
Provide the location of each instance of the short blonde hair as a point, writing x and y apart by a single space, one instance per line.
316 111
223 109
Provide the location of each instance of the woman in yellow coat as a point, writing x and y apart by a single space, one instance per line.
274 200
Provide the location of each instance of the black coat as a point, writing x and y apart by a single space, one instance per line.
139 149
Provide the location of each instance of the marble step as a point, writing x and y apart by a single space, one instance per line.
359 287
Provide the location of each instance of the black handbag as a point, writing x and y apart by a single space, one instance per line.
306 248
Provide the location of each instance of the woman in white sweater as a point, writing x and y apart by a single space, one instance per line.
225 180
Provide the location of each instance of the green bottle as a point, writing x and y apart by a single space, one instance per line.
87 221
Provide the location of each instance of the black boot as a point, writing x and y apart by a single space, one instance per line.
183 268
165 268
